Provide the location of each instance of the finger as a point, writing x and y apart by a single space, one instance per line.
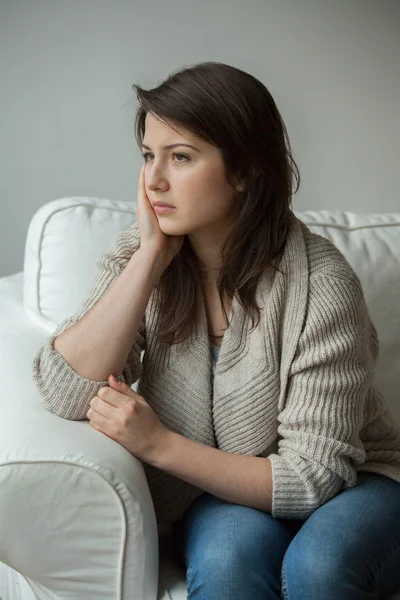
142 187
121 387
113 396
98 407
98 421
141 180
126 390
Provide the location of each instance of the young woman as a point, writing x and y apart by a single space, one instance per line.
266 446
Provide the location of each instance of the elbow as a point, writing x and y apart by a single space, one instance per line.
62 405
65 399
65 410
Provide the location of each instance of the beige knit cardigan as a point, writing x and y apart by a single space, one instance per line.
298 389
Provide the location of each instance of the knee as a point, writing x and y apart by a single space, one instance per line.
311 563
242 541
212 567
234 540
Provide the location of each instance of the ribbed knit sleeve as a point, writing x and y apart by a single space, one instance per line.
62 390
330 380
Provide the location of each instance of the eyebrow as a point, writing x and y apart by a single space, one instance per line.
172 146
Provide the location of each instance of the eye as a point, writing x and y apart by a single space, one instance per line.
146 155
184 156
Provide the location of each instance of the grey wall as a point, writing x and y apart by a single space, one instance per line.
67 107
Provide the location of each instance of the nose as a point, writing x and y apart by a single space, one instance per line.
155 178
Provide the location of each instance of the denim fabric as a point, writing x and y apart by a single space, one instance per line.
348 549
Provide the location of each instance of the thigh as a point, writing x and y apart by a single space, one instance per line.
353 541
216 539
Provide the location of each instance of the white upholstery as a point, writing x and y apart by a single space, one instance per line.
76 517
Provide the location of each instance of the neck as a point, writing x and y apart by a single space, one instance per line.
207 245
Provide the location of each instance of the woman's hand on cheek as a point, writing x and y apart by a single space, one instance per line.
125 416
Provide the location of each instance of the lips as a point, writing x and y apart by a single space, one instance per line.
163 204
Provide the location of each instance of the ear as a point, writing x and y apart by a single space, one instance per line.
242 183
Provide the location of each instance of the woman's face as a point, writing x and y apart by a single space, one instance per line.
191 179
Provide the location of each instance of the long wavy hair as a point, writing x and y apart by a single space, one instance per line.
234 111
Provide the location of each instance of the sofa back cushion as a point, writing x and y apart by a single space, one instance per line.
67 235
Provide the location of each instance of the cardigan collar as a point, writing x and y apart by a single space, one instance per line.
293 285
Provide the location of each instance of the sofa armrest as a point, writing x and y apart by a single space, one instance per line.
76 515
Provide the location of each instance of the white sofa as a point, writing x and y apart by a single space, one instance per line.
76 517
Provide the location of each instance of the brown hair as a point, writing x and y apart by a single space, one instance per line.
234 111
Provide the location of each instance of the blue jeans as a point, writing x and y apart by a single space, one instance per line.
347 549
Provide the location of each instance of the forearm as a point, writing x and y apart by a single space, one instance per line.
98 344
239 479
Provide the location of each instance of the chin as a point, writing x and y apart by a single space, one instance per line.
171 228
